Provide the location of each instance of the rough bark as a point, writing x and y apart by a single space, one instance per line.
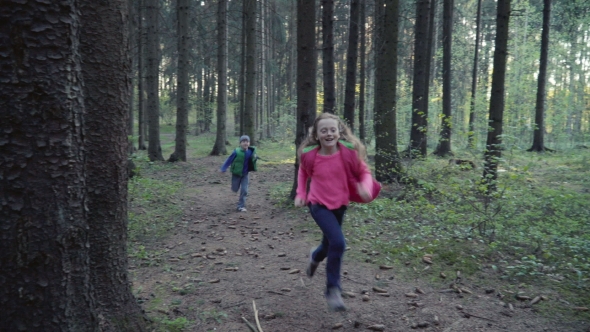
351 61
44 245
182 12
493 151
306 76
106 68
152 79
387 164
219 146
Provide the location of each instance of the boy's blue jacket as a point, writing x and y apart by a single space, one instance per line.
247 159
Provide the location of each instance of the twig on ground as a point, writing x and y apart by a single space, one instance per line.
275 292
256 316
250 326
467 315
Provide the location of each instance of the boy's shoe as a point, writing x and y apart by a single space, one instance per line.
311 265
334 299
242 209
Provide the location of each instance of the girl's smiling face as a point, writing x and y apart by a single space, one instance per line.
328 135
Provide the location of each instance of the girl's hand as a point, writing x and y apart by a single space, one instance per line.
299 202
365 195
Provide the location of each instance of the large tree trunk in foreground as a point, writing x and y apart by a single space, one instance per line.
44 244
104 46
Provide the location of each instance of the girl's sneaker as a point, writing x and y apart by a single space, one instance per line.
242 209
334 299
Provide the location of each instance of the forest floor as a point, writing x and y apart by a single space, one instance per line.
218 267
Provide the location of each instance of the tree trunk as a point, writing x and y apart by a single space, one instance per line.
362 69
44 244
493 151
251 54
538 134
471 131
306 76
328 56
419 128
351 60
387 165
444 144
140 78
104 46
219 147
182 12
152 79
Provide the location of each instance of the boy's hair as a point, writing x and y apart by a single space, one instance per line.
345 134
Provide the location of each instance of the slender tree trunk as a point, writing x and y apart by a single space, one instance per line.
306 76
387 164
140 78
493 151
182 12
219 147
351 61
251 57
131 33
538 134
328 56
471 131
152 79
362 69
444 144
419 128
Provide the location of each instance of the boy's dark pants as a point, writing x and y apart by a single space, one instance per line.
333 243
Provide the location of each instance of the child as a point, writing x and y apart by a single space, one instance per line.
242 161
338 175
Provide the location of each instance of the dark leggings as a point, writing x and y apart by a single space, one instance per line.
333 243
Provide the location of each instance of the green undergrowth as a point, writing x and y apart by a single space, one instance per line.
534 230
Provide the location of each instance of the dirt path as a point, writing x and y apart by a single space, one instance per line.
218 261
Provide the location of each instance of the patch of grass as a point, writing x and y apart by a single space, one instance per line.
178 324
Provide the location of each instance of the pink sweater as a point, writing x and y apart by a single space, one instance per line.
329 185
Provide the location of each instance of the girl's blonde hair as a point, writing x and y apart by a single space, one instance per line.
345 134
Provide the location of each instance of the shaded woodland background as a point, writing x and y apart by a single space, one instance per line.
84 84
